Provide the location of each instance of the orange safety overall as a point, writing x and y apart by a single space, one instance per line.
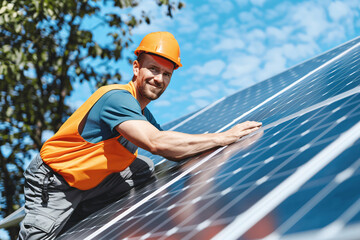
83 164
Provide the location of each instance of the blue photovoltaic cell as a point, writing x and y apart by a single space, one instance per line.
322 200
328 82
303 110
172 124
243 101
239 103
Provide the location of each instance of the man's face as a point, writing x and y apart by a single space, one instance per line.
153 75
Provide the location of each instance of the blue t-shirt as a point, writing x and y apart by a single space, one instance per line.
113 108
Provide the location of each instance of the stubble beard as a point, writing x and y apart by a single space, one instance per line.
148 93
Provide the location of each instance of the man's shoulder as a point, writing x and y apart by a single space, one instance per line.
117 94
129 87
119 99
113 87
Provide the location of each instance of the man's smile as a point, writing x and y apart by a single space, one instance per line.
158 86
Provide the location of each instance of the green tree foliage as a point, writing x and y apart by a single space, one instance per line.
44 49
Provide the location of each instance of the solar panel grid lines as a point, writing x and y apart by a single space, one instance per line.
295 103
145 199
337 226
347 233
196 114
335 182
257 107
345 174
246 220
97 220
286 130
243 95
350 92
177 121
202 201
315 106
256 171
222 110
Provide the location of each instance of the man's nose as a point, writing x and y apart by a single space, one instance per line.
158 77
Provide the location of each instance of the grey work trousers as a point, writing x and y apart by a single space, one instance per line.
51 205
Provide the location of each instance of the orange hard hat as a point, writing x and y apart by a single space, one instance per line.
163 44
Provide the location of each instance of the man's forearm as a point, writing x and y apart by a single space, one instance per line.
177 146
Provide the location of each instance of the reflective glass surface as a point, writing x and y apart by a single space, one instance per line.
303 110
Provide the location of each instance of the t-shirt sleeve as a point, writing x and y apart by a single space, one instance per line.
151 118
119 107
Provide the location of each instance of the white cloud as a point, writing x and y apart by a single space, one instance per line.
200 93
201 102
227 44
299 51
230 26
278 12
192 108
338 10
259 3
344 15
240 66
275 62
247 17
251 18
255 35
146 5
242 82
214 87
242 3
212 17
159 21
311 18
256 48
187 22
310 21
144 29
184 19
203 9
223 6
278 34
179 98
247 43
209 32
187 46
161 103
211 68
335 34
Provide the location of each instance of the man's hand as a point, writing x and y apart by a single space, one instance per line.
238 131
177 145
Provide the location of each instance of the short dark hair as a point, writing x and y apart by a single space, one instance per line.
140 57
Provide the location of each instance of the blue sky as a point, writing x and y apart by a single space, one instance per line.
228 45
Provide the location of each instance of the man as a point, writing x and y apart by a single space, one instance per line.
93 156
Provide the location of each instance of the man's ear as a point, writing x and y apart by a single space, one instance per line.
136 68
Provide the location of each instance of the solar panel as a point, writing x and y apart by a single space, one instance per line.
296 178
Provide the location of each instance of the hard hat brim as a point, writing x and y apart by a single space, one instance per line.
140 50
